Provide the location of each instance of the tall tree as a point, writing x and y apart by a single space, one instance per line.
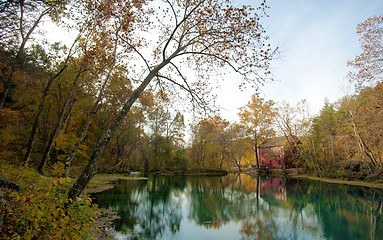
325 125
92 113
294 123
241 146
200 32
165 121
203 135
211 139
19 20
370 62
363 122
257 117
96 53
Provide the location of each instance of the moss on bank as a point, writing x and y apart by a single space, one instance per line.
102 182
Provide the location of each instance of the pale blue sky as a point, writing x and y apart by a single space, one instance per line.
316 39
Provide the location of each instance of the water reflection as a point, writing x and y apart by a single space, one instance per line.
242 207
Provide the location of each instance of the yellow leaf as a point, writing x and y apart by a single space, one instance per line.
62 180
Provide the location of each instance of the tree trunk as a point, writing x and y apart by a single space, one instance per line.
221 163
8 184
59 121
312 162
92 113
7 87
316 160
42 99
119 148
20 56
65 124
91 168
38 114
238 163
256 151
362 145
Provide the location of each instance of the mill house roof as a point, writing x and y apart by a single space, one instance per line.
273 142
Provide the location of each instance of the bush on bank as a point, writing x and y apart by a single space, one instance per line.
38 210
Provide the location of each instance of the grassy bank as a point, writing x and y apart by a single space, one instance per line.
37 210
102 182
40 208
339 181
294 174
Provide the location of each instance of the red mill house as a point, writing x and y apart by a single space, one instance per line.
273 152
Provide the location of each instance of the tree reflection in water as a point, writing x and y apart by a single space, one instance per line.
147 209
246 207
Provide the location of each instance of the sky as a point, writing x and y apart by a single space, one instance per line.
315 38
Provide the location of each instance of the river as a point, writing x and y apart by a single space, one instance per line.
242 207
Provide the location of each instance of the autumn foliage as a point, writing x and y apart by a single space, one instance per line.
116 99
369 63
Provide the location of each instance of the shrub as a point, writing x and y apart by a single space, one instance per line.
41 209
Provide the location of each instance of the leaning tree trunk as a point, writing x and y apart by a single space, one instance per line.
91 168
7 87
92 113
238 163
8 184
317 170
362 145
59 121
42 100
38 114
17 62
65 124
20 56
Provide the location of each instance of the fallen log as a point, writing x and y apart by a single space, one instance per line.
8 184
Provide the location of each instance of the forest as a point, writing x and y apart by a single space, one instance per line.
115 96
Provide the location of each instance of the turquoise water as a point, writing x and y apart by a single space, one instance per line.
242 207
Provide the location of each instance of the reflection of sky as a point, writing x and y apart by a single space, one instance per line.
191 230
225 208
293 225
290 224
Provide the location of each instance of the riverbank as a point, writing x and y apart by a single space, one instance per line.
339 181
293 173
105 181
105 217
102 182
192 172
